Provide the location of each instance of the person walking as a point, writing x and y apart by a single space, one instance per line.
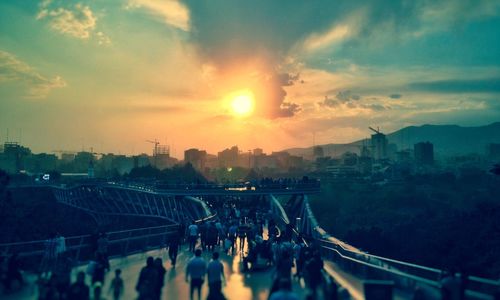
117 286
196 270
161 277
193 236
173 248
215 274
147 283
79 290
314 267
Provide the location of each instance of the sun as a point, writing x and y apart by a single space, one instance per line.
242 104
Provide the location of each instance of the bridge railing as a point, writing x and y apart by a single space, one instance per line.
298 185
82 247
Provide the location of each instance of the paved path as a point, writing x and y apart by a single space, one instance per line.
240 286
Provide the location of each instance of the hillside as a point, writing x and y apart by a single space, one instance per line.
447 140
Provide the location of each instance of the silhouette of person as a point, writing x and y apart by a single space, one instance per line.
148 278
215 274
173 248
117 286
161 277
193 235
196 270
79 290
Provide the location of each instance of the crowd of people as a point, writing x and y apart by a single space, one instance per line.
240 230
247 230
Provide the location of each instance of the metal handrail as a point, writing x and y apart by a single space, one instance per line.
396 272
74 237
407 264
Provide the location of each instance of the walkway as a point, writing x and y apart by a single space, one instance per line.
240 286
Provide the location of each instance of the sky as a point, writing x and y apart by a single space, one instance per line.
112 74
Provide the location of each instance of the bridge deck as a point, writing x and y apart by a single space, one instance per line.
241 286
248 286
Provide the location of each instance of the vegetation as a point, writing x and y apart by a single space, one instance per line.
177 174
434 220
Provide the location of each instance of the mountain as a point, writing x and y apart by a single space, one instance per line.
447 140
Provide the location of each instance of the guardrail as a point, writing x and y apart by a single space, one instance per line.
82 247
311 185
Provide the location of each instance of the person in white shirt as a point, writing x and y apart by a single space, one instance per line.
193 236
215 274
196 270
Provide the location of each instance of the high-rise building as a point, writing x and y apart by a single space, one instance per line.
196 157
258 151
493 151
379 146
424 153
229 157
318 151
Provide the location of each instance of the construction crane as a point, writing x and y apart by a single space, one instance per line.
374 130
155 151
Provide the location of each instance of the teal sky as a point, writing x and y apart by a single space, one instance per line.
111 74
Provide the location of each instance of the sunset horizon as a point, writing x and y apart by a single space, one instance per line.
76 75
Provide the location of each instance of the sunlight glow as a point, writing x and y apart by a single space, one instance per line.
242 104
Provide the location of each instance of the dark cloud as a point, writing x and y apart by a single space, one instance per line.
375 107
489 85
345 96
329 102
395 96
287 79
288 109
351 101
228 32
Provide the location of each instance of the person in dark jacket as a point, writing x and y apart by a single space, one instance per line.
161 277
148 281
79 290
173 248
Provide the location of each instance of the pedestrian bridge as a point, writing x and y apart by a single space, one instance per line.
356 274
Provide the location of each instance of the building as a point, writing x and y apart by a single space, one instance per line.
161 158
318 151
258 151
142 160
13 157
493 151
197 158
228 158
379 146
424 153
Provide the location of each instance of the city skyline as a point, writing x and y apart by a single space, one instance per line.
110 75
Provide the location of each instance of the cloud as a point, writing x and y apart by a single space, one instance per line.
319 41
39 86
374 107
288 79
288 109
268 31
103 39
171 12
347 96
487 85
329 102
347 100
78 21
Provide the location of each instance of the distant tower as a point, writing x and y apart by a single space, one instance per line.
90 171
318 151
379 144
424 153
